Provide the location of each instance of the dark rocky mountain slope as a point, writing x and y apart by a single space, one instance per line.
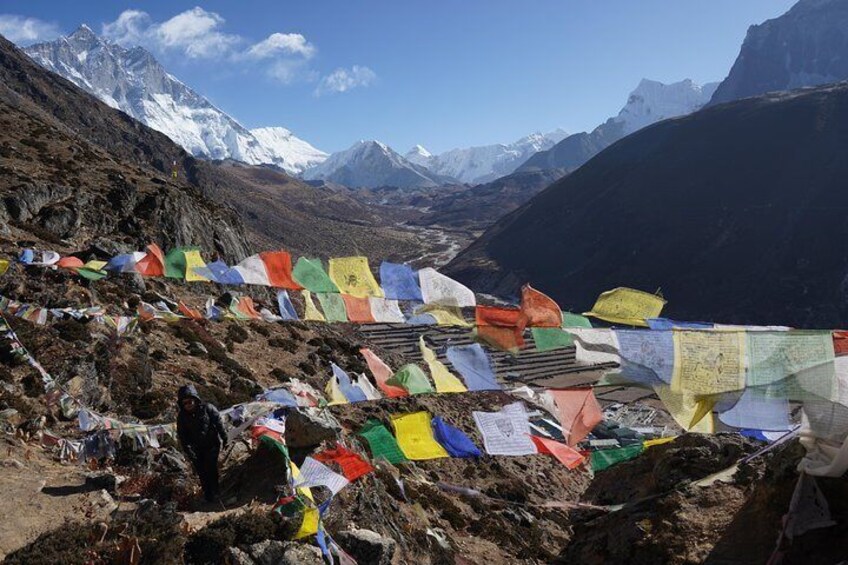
737 212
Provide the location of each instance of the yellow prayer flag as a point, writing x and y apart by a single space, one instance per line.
444 379
707 363
353 276
95 265
4 266
693 414
415 437
309 526
334 393
305 491
659 441
627 306
311 313
445 315
193 261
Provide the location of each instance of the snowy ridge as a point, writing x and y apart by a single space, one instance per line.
132 81
477 165
653 101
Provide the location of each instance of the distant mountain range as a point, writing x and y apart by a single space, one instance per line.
648 104
133 81
478 165
806 46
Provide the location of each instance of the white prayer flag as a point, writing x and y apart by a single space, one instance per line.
437 288
314 473
252 271
506 432
386 311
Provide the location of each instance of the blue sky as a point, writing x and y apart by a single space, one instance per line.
443 74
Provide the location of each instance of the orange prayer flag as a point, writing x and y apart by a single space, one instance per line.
382 373
189 312
566 455
278 265
539 309
358 309
500 327
70 262
579 413
153 263
246 307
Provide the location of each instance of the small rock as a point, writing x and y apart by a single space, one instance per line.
197 349
367 546
302 554
101 480
235 556
268 552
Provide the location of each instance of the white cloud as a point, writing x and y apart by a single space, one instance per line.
343 80
23 31
129 29
277 43
196 32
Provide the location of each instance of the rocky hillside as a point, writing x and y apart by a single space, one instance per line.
806 46
731 212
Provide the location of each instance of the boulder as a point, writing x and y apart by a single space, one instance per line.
273 552
235 556
367 546
309 427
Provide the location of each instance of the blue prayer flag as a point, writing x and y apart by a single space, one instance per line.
400 282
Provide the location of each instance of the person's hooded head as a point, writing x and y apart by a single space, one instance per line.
188 398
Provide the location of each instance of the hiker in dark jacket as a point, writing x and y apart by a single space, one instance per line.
201 434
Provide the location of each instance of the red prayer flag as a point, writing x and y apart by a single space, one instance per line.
566 455
382 373
70 262
278 265
840 343
539 309
352 465
500 327
152 264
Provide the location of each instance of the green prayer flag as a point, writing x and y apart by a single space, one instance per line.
275 445
333 306
412 379
310 274
381 442
175 262
570 320
605 458
91 274
551 338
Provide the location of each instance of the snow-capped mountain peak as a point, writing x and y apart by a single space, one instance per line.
132 80
418 155
653 101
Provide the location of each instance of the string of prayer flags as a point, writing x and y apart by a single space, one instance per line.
437 288
415 437
579 413
506 432
353 276
381 442
278 267
351 392
382 373
311 312
412 379
474 365
502 328
400 282
540 310
314 473
547 339
284 303
358 309
252 271
310 274
352 465
367 388
443 315
627 306
455 442
153 262
565 454
333 307
444 380
386 311
606 458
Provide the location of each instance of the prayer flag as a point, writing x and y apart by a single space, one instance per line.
252 271
691 413
539 309
367 388
445 381
124 263
412 379
400 282
565 454
153 263
443 315
437 288
220 272
455 442
386 311
278 267
193 261
570 320
352 465
506 432
358 309
606 458
382 373
546 339
579 413
627 306
314 473
353 276
287 311
311 313
647 356
333 307
502 328
473 364
334 392
707 363
310 274
756 410
415 437
381 442
352 393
